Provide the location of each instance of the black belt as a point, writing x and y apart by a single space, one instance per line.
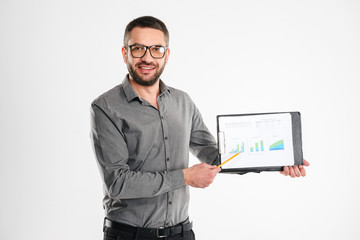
151 232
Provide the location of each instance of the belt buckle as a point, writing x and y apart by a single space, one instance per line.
160 235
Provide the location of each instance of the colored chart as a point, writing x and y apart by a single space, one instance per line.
258 146
238 149
279 145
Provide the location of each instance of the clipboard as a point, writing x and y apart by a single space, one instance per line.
259 142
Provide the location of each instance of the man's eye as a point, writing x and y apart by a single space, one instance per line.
158 49
137 48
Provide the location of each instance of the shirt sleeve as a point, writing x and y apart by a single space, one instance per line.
202 143
112 156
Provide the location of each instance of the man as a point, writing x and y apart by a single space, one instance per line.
142 131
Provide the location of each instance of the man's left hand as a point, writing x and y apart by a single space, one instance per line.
296 171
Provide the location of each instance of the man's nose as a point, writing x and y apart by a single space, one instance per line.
147 57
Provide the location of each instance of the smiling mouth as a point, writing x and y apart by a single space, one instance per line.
147 68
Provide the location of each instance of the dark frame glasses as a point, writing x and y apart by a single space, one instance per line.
139 51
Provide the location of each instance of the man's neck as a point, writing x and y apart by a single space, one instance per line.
149 93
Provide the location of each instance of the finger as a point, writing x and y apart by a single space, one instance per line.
285 171
212 167
215 170
302 171
292 173
297 171
306 163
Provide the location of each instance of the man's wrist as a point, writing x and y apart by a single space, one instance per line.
186 177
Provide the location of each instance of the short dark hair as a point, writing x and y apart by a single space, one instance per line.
146 22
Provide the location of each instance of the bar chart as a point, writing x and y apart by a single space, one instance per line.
238 148
257 149
257 146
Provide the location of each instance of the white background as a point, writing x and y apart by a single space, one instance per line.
231 57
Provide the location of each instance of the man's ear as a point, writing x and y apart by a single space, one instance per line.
124 53
167 55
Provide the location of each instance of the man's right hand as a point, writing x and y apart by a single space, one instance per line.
200 175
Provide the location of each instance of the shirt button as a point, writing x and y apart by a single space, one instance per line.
170 202
165 138
167 159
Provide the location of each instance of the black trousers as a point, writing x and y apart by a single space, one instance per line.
113 234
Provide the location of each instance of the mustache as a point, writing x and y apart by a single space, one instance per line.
146 63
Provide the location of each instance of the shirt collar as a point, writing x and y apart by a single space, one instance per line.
131 94
163 87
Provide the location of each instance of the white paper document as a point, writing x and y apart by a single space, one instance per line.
262 140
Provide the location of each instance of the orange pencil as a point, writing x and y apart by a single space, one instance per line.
229 159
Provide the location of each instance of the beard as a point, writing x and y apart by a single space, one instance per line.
140 80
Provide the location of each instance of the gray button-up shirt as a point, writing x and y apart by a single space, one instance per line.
141 151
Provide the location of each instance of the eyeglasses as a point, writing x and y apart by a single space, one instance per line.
138 51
